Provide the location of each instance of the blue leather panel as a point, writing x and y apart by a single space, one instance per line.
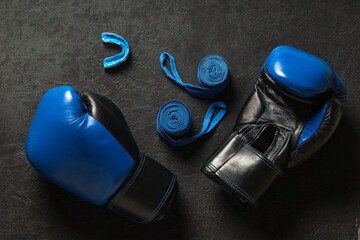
72 149
312 125
303 74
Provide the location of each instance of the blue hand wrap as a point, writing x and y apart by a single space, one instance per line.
174 122
213 75
116 60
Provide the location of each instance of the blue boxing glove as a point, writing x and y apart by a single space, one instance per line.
292 112
81 142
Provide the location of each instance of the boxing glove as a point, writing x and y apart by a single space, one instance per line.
81 142
292 111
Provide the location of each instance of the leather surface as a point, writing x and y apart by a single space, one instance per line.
82 143
151 187
71 148
312 125
276 117
110 116
303 74
240 168
149 190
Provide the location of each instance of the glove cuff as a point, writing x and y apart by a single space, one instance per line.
147 194
241 169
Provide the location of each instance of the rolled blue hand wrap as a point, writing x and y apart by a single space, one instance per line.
117 59
213 75
174 122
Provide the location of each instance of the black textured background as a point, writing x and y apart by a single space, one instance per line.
49 44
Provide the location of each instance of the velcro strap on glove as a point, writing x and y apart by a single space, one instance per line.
148 192
241 169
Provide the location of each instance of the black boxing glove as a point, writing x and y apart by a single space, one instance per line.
292 111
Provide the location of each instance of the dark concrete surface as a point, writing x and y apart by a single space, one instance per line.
45 44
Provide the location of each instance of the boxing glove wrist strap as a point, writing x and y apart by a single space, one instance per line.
147 194
174 122
241 170
213 75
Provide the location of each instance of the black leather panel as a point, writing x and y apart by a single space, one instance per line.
110 116
147 194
